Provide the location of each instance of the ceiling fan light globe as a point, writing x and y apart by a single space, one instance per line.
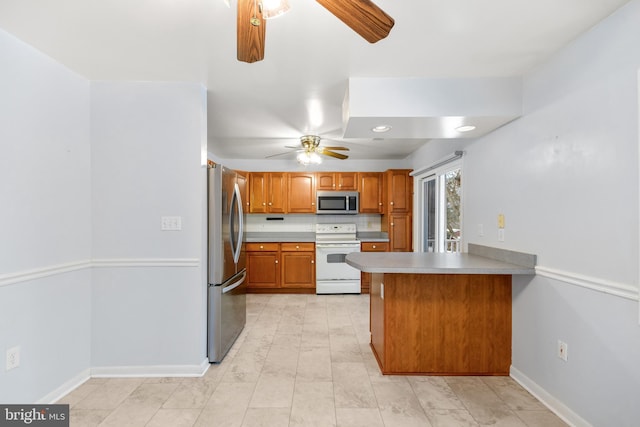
303 158
274 8
314 158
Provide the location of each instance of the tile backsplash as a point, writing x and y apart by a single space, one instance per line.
306 223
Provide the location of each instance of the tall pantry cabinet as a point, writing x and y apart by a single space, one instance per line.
397 217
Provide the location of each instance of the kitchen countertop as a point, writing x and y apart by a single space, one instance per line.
290 236
302 236
432 263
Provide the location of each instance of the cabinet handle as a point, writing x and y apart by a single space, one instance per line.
392 224
276 261
313 262
391 203
313 203
379 203
264 204
261 247
269 203
297 247
374 246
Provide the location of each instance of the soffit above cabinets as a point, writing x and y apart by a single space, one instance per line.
426 108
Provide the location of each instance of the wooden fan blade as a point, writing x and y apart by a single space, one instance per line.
362 16
250 37
332 154
336 148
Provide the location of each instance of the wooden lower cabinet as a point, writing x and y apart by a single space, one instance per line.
281 267
399 229
263 265
365 278
441 324
298 265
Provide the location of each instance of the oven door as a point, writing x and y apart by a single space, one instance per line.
331 263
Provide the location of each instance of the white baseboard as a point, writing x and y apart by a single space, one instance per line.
556 406
151 371
65 388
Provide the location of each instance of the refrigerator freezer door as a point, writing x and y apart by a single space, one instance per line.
227 315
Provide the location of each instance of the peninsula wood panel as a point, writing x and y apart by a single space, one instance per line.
443 324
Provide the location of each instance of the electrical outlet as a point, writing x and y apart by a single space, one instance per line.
563 349
500 234
13 358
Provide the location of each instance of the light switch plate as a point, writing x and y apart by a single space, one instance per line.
171 223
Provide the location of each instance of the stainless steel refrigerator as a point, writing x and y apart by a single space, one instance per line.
227 262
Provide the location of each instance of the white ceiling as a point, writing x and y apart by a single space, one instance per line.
255 110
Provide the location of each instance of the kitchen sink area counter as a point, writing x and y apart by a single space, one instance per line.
442 313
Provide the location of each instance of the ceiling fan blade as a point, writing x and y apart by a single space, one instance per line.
362 16
250 36
283 154
336 148
332 154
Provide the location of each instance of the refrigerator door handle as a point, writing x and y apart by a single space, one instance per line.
235 284
236 214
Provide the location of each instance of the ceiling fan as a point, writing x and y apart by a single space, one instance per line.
362 16
310 150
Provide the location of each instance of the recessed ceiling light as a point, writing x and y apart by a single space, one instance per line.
465 128
381 128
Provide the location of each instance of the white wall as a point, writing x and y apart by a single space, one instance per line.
45 224
290 165
149 305
565 176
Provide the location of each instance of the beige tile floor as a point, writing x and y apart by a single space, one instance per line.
304 360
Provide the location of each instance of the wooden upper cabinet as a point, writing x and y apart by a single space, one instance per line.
325 181
278 192
339 181
347 181
243 184
301 192
399 189
370 188
267 192
258 192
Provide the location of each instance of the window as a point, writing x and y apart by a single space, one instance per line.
439 202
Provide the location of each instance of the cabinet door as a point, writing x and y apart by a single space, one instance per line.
277 192
365 278
298 269
399 191
370 187
347 181
263 269
400 233
243 183
376 307
258 192
325 181
301 193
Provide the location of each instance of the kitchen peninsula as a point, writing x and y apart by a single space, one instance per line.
442 313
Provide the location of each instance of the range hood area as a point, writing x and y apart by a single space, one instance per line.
428 108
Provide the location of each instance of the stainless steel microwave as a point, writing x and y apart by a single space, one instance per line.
337 202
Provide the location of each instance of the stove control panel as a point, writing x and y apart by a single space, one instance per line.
335 229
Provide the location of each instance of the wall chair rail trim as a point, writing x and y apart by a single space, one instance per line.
52 270
622 290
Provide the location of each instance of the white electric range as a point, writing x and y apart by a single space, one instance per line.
333 275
